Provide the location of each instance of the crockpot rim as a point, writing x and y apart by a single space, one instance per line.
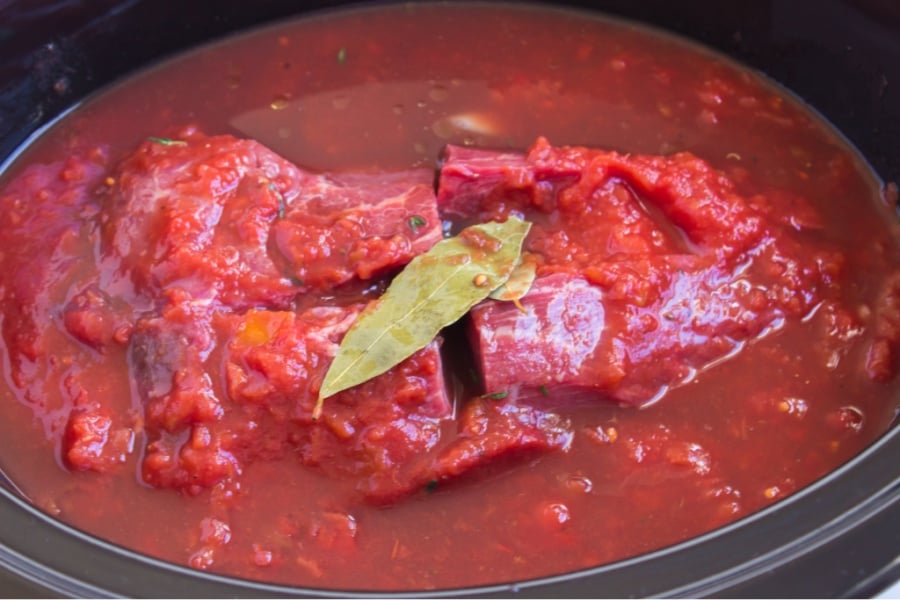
864 503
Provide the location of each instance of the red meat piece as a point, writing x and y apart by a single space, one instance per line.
195 213
608 203
229 220
346 226
491 432
44 210
371 432
495 430
650 268
203 430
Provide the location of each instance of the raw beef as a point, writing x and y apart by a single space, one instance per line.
650 269
371 433
490 432
203 428
229 220
343 226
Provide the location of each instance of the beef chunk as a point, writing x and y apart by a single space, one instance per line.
203 430
43 210
168 353
578 341
349 226
607 203
276 363
649 269
196 214
558 340
230 221
183 414
493 430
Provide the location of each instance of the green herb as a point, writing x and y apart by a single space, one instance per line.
415 222
431 485
167 141
434 290
342 56
281 205
496 395
544 391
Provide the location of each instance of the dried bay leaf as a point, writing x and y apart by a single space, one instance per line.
519 281
433 291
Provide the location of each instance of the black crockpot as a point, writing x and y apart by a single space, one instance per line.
838 537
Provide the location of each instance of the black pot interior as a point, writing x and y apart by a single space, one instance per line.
840 56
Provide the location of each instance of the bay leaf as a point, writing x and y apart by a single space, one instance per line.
519 281
433 291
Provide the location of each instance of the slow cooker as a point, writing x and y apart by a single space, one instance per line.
837 537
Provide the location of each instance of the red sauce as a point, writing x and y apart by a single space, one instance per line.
148 399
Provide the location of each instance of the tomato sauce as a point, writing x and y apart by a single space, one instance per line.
162 352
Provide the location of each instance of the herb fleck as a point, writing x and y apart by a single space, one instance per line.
167 141
544 391
281 207
415 222
431 485
342 56
496 395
